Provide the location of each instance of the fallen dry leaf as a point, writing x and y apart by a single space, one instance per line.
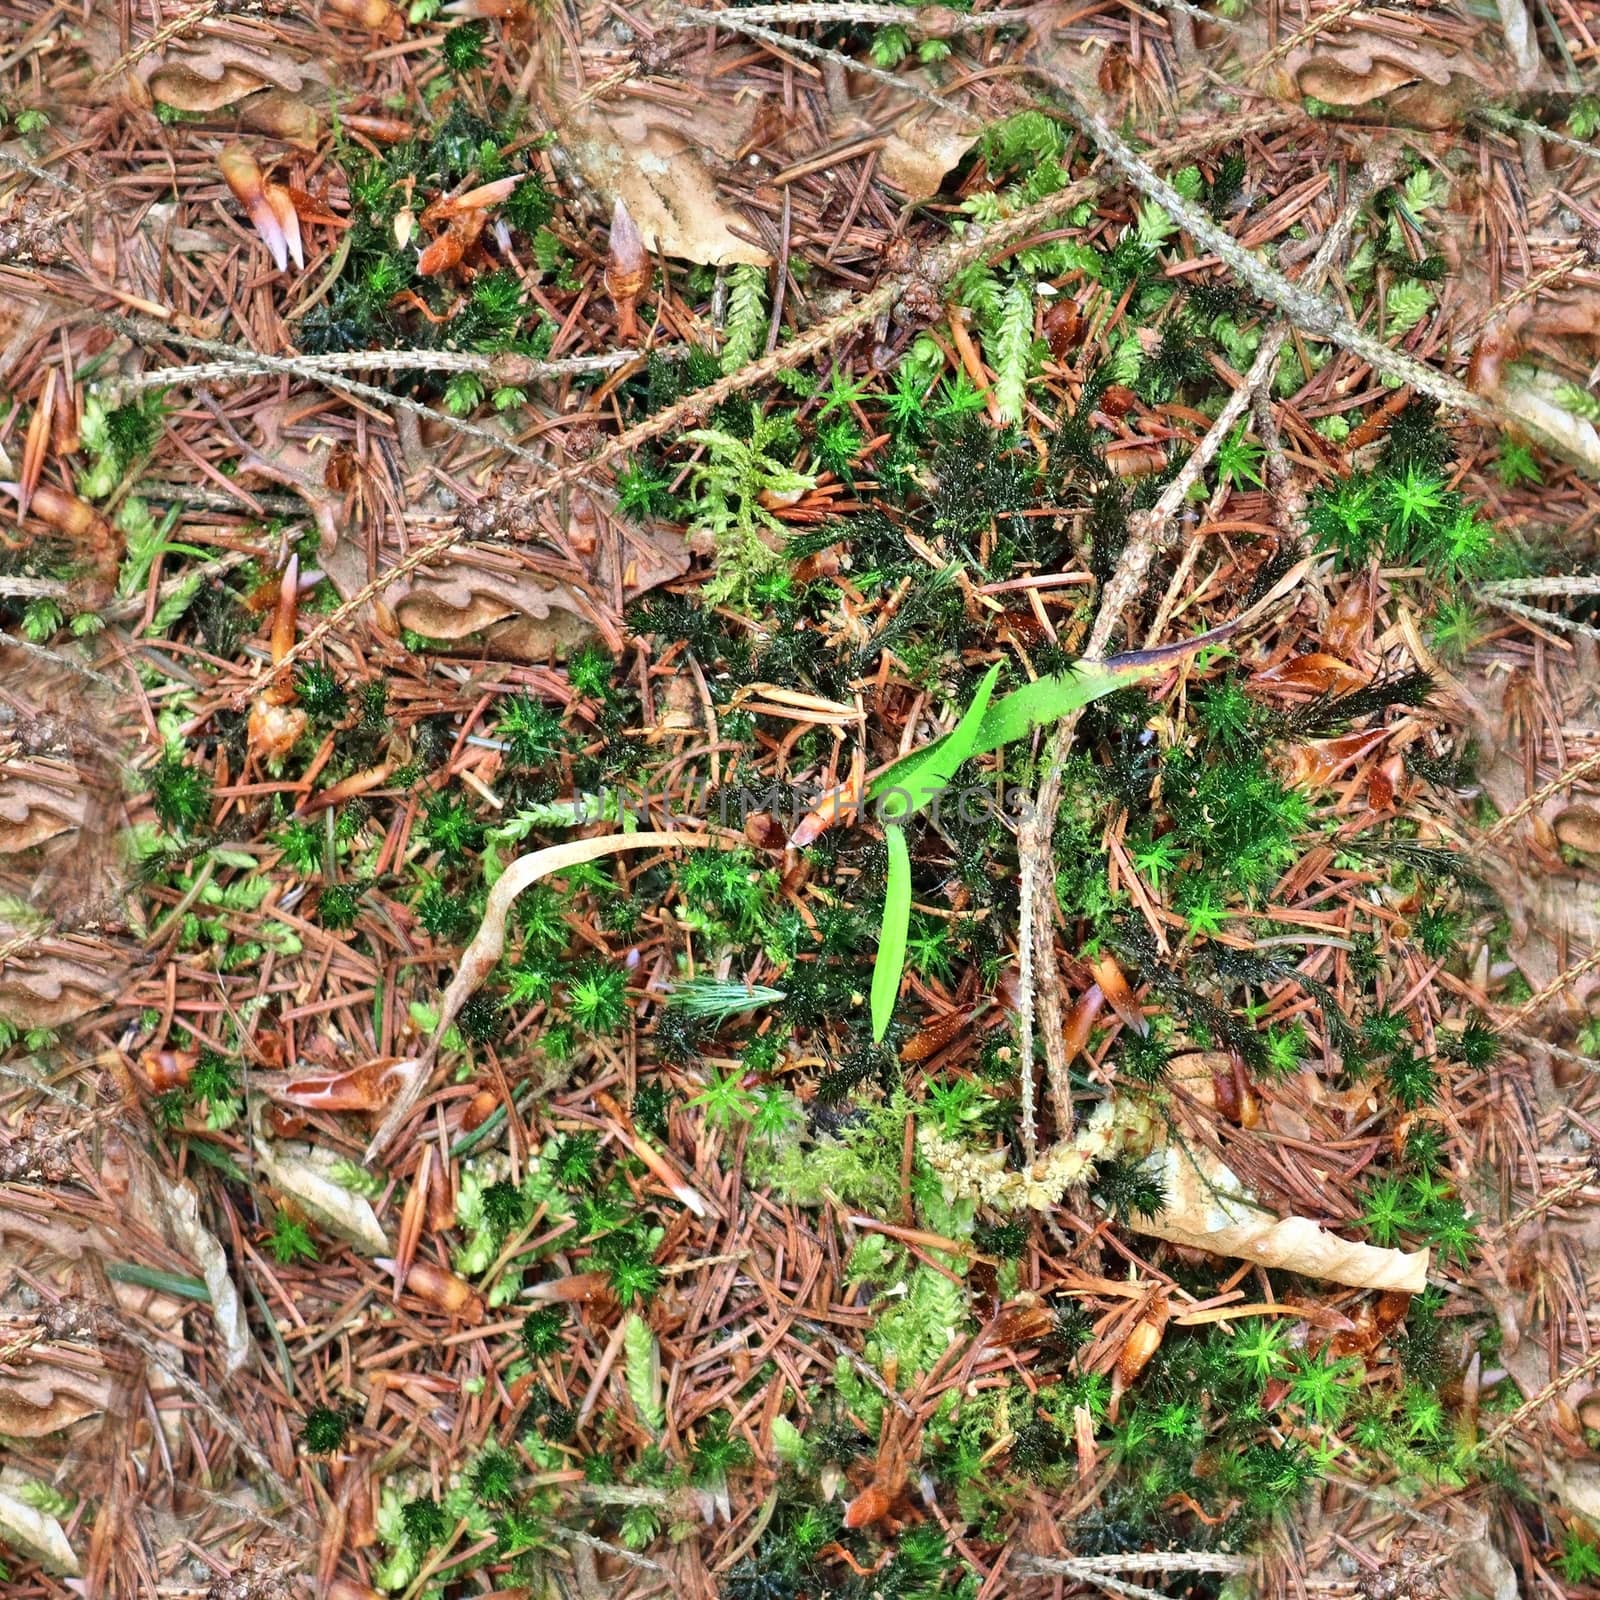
33 810
656 159
1209 1209
1577 1486
54 981
304 1174
1529 398
46 1398
918 152
36 1534
1482 1568
489 942
1422 82
182 1207
203 71
1578 827
488 595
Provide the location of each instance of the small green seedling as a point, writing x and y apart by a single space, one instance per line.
925 776
1037 704
912 783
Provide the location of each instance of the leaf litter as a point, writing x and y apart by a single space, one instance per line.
487 1193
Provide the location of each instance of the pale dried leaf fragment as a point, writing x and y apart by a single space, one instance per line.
200 1244
1577 1486
1578 827
1421 81
1484 1569
481 957
922 150
487 595
654 162
54 981
1209 1209
184 89
1530 399
484 596
44 1398
304 1174
35 1534
32 811
201 72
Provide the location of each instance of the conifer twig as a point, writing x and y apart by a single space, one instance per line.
1562 980
1496 118
1149 527
507 368
1138 1561
153 333
1314 313
1513 1420
1318 24
1541 617
736 22
1562 780
179 25
930 21
9 158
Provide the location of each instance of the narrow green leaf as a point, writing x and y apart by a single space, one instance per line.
891 960
1035 704
143 1277
926 771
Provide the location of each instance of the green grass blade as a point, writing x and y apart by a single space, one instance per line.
1011 717
891 960
926 771
1035 704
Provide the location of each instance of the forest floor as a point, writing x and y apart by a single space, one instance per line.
799 800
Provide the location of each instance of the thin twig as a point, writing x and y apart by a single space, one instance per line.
1318 24
1212 19
9 158
1502 595
1039 983
1562 780
502 369
1563 980
1149 527
1514 1420
34 589
632 1557
1542 618
935 22
55 658
1103 1577
1316 315
1573 1186
200 1397
1138 1561
734 22
178 25
1505 119
155 333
